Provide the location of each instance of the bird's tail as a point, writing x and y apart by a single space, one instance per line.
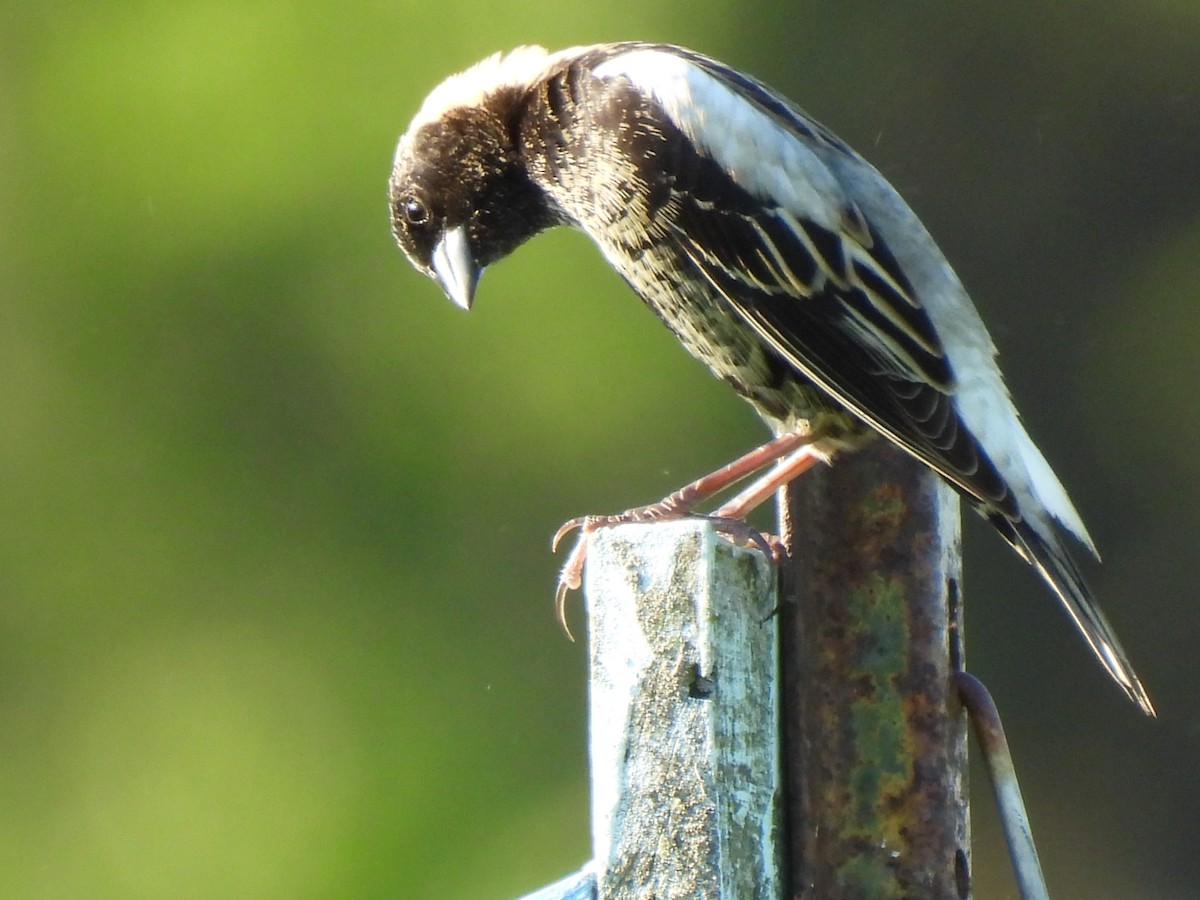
1045 551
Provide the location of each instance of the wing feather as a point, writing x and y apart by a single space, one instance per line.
845 320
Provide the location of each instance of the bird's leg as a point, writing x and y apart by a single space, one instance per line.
730 518
755 495
792 454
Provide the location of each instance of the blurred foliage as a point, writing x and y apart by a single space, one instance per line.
274 579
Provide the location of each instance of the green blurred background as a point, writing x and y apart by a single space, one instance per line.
275 590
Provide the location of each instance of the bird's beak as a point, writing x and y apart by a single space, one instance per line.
455 267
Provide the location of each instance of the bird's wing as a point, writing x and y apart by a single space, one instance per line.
836 305
763 217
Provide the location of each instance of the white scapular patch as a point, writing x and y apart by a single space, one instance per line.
757 151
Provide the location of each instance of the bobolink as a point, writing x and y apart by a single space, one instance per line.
778 257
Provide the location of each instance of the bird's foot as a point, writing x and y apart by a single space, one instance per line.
791 454
570 577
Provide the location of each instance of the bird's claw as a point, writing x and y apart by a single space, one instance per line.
564 529
742 532
570 576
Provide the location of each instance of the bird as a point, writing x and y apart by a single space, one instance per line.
777 255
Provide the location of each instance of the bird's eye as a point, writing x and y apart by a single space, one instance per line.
416 212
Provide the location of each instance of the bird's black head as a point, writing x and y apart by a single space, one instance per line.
461 196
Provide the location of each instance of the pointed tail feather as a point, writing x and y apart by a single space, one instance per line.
1045 551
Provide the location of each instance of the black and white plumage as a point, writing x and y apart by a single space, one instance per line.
779 258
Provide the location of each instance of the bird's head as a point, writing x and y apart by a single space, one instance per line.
461 195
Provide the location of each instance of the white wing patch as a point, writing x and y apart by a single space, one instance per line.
758 153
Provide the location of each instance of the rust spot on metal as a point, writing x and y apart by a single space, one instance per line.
875 744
